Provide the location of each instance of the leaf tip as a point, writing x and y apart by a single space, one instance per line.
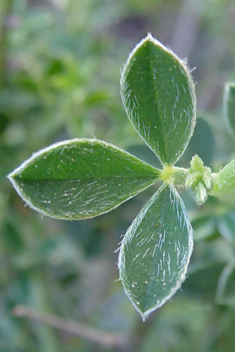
11 178
144 316
149 37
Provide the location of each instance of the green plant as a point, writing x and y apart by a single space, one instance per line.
83 178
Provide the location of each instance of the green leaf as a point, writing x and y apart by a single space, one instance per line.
226 226
202 280
155 251
158 95
80 179
224 182
229 107
226 285
204 226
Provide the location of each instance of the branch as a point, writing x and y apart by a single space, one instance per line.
103 338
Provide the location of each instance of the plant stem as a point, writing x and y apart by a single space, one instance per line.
109 340
175 175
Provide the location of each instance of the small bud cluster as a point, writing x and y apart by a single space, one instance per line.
199 179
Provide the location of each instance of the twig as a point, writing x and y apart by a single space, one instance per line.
103 338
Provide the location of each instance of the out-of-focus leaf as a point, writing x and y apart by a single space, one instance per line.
203 226
80 178
224 182
158 95
202 281
143 152
4 121
155 252
223 337
229 107
173 328
6 153
226 226
202 144
12 236
226 285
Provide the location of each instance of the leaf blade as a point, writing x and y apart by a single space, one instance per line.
229 107
81 178
226 287
155 251
158 94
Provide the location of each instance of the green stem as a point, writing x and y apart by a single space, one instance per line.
198 178
175 175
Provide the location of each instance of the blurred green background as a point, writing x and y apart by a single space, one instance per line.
60 65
